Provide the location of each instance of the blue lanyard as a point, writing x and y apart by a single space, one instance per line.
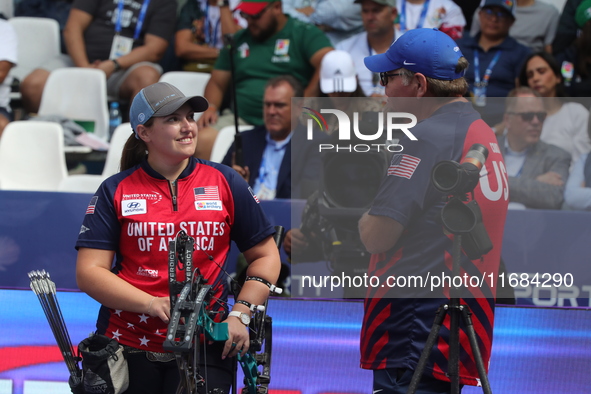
140 19
488 71
211 38
421 18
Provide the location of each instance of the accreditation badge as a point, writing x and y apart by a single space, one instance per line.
121 46
480 96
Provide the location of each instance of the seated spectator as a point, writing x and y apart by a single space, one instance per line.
537 171
336 86
116 37
273 44
338 19
575 60
339 83
578 188
378 23
8 59
495 58
200 29
535 24
566 123
567 29
444 15
269 167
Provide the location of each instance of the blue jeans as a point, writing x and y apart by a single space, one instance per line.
397 380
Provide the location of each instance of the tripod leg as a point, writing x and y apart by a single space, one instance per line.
466 314
416 377
454 346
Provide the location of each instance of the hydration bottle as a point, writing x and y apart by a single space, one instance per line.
114 117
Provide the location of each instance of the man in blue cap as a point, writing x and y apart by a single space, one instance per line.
425 68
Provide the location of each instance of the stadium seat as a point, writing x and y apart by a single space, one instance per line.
38 43
32 156
79 94
223 141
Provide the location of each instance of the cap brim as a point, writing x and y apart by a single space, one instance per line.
197 103
379 63
251 7
331 85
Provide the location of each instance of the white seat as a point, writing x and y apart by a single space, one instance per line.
223 142
32 156
38 43
189 82
79 94
89 183
7 8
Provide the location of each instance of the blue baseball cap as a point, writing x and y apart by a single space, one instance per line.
426 51
160 99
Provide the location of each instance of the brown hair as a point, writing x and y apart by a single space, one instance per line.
441 88
510 101
134 150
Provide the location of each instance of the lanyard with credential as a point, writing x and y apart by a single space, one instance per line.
211 37
421 18
140 19
488 71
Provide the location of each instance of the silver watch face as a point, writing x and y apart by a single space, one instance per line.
245 319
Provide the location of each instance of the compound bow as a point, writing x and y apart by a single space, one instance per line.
190 317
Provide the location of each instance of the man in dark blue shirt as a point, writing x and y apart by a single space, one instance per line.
495 57
401 228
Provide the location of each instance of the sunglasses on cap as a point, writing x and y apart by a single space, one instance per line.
529 116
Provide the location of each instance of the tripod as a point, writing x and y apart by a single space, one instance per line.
463 225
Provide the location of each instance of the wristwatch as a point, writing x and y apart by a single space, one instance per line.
244 317
223 3
117 65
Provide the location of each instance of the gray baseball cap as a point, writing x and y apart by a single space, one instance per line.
161 99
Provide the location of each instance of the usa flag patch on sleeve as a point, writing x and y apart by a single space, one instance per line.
253 195
92 205
403 165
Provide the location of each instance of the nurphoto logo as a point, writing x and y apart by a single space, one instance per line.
346 133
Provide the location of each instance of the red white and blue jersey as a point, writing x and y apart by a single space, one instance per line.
135 214
395 329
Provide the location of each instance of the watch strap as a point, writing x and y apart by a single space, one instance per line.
117 65
238 314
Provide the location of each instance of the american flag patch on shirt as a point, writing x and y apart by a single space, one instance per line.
403 165
91 205
206 193
253 195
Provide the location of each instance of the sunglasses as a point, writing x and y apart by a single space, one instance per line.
501 15
385 77
529 116
255 16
